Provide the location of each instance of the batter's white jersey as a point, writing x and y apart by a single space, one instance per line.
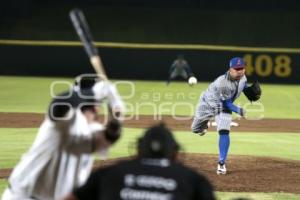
60 158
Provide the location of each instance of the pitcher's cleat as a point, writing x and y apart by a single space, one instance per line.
202 129
221 170
202 132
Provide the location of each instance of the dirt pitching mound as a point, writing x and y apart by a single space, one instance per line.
245 173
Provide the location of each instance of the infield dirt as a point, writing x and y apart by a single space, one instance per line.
29 120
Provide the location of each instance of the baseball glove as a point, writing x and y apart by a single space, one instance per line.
253 92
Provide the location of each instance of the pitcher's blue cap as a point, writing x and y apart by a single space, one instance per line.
237 62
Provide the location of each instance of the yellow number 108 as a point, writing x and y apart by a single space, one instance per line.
263 65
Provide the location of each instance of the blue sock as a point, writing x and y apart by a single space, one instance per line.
224 142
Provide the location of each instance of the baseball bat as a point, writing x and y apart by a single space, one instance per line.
83 31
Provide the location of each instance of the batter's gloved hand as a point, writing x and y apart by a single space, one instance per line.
253 92
113 130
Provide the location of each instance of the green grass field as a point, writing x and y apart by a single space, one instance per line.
256 196
33 95
13 142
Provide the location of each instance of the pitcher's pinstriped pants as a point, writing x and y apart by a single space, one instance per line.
204 113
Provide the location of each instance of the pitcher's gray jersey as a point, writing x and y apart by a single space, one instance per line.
210 102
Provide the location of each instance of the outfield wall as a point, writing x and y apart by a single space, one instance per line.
145 61
185 25
218 25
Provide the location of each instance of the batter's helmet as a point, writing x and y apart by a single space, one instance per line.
157 142
86 81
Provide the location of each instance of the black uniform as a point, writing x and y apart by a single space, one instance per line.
179 68
146 179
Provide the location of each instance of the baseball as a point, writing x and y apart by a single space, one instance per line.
192 80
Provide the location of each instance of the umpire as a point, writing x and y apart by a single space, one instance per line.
153 175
